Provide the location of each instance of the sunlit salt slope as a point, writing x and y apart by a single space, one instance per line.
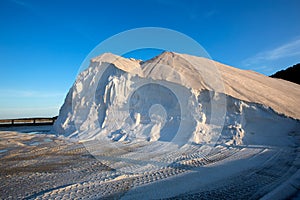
127 100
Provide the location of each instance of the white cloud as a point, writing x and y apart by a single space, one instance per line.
290 49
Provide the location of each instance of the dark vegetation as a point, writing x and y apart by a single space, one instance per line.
291 74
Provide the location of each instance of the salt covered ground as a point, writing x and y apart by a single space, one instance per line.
44 166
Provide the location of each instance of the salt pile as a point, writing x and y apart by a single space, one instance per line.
175 103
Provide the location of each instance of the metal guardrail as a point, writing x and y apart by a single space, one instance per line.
27 121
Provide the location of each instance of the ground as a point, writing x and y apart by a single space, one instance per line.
38 165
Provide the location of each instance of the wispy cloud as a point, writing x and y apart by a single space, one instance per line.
289 49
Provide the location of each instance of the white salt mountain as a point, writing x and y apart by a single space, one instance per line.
178 98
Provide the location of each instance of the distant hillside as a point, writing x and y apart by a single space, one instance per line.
290 74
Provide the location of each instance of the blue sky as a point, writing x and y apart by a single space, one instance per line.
43 43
